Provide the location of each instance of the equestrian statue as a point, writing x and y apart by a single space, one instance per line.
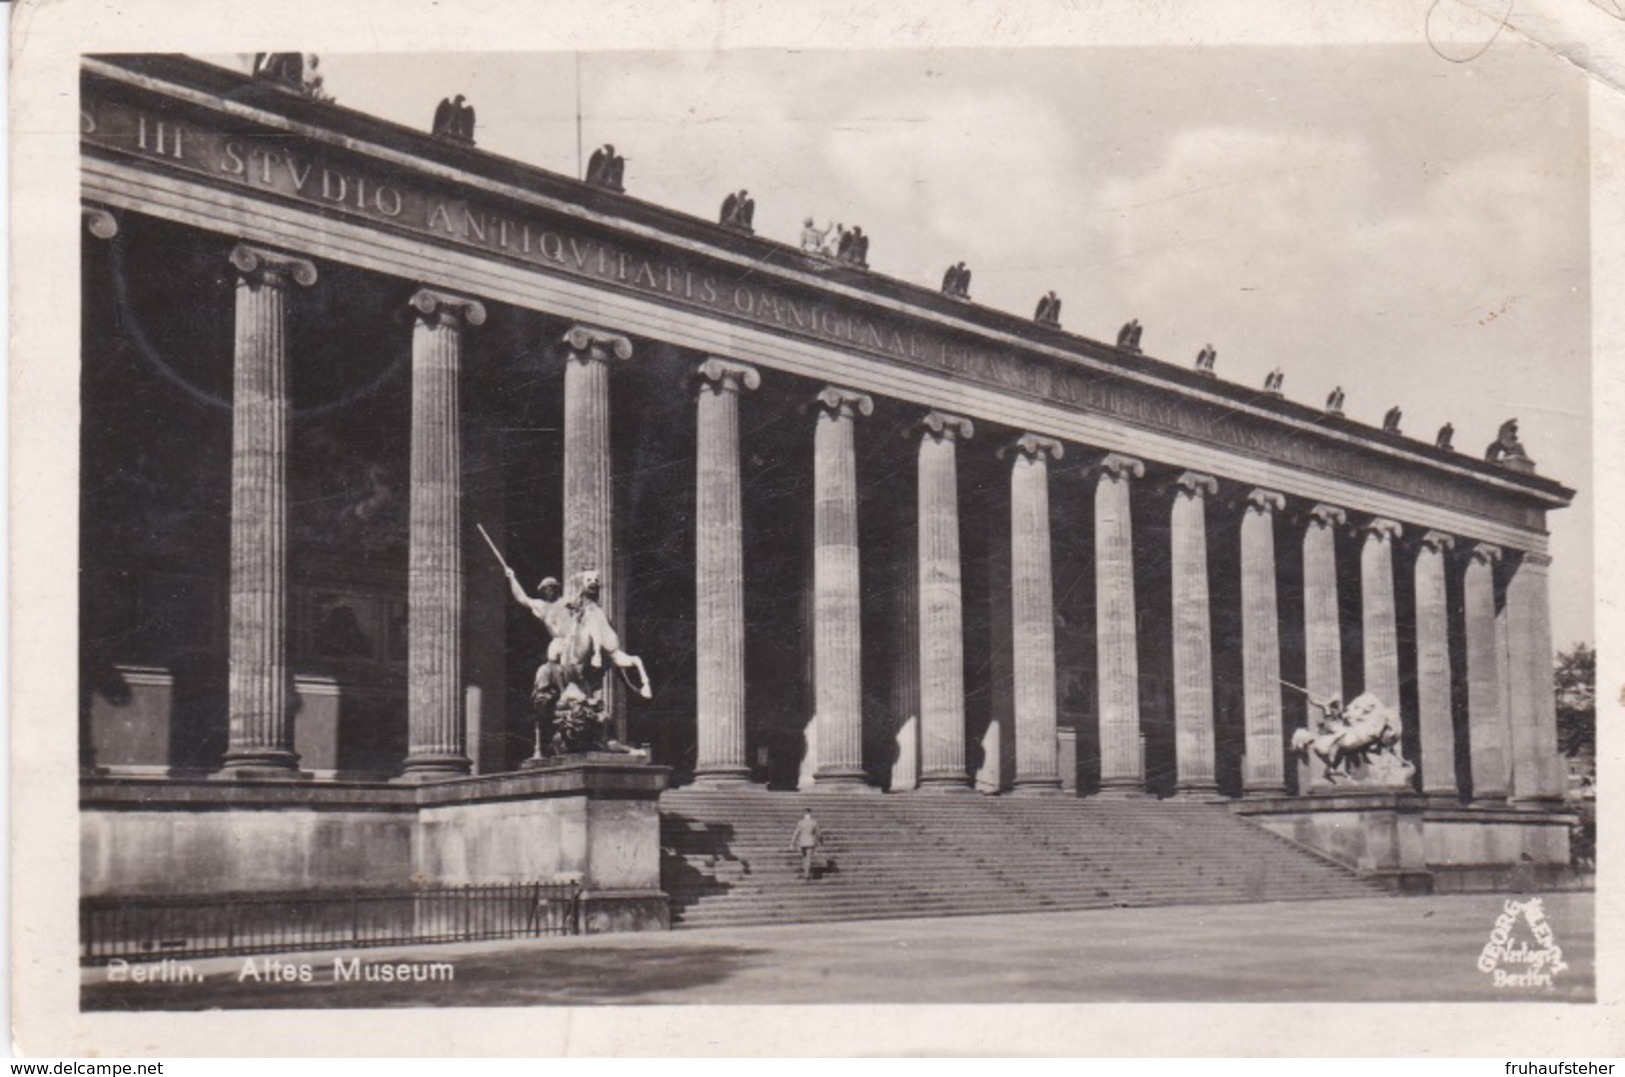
1364 734
567 695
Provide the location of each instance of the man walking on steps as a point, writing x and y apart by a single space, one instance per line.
806 839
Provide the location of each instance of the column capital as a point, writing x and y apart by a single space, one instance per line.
444 308
1437 542
726 376
944 425
591 344
1323 515
1383 529
99 222
259 265
1261 500
1486 552
1118 467
1195 484
1032 447
1531 559
844 403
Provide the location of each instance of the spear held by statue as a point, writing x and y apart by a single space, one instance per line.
1323 704
494 550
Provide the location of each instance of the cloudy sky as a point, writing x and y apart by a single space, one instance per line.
1371 216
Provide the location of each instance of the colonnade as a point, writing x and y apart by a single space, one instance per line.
1506 623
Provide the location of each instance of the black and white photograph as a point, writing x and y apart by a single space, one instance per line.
1008 518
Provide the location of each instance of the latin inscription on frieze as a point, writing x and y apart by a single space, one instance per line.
297 170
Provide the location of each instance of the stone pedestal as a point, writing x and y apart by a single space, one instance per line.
592 819
1411 845
1322 629
1121 765
1438 738
1487 733
837 594
1193 635
261 734
589 496
942 641
719 583
1263 772
1379 834
434 661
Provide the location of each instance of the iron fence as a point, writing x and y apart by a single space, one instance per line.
144 928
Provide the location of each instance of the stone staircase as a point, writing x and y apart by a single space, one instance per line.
725 857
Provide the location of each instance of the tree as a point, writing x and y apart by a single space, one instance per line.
1575 682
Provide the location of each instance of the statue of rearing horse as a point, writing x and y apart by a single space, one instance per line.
569 689
1345 736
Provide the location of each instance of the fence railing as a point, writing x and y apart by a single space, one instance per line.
146 928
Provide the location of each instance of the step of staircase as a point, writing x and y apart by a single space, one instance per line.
726 857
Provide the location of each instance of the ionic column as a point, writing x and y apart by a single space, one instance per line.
1121 765
1263 771
589 497
1032 609
905 671
1193 635
1538 772
1381 650
719 583
260 741
1438 738
942 641
1487 731
1323 636
99 222
434 585
837 598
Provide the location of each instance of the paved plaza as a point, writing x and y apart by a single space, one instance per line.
1369 950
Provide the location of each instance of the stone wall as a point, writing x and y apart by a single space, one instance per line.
592 820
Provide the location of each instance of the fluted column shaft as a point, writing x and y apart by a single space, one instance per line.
589 496
1193 635
942 641
260 739
1537 768
719 583
1438 738
905 672
1121 764
1323 637
1322 629
434 585
1263 772
837 597
1487 731
1377 611
1032 609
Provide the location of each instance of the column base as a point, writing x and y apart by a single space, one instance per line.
265 764
842 781
435 767
1198 790
1037 787
1122 788
951 782
1272 790
728 780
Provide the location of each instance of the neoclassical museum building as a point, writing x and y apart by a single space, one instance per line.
866 535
